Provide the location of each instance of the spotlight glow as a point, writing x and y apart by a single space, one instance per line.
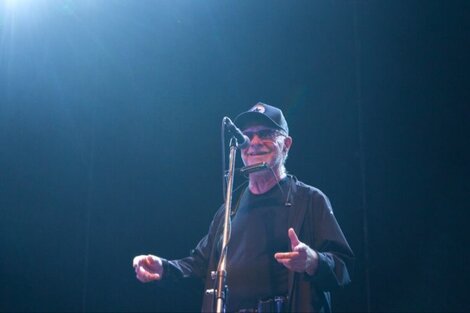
18 5
9 4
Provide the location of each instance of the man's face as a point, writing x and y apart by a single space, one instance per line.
266 145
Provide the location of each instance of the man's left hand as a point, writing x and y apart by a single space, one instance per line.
301 259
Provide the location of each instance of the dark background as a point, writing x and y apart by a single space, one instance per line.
110 116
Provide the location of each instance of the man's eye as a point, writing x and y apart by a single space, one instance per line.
265 134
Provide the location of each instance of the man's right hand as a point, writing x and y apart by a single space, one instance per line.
148 268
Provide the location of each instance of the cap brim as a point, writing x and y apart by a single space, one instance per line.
244 119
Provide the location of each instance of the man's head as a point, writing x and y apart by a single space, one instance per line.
268 131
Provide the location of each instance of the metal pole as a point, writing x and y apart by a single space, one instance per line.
221 289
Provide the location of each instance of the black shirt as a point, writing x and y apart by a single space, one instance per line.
259 230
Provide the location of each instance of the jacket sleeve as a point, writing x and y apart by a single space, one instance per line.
335 256
195 265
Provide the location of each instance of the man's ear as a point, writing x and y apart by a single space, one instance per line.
287 143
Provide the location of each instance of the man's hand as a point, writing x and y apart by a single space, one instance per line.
301 259
148 268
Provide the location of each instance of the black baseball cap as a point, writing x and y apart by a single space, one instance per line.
264 113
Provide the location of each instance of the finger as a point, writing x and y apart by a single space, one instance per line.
136 261
291 265
285 263
140 274
141 277
286 255
146 276
294 240
153 276
149 260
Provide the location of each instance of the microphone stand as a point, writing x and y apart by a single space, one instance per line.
221 274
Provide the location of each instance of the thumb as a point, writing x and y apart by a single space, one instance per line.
294 240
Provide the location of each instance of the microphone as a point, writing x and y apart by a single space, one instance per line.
242 140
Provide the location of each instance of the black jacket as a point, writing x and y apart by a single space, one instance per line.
312 218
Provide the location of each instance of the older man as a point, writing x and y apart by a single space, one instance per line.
286 250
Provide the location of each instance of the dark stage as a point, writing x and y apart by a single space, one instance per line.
110 117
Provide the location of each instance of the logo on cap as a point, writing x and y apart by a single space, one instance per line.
258 108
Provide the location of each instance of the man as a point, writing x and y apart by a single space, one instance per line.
285 246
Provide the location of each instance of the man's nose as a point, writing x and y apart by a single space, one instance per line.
255 139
